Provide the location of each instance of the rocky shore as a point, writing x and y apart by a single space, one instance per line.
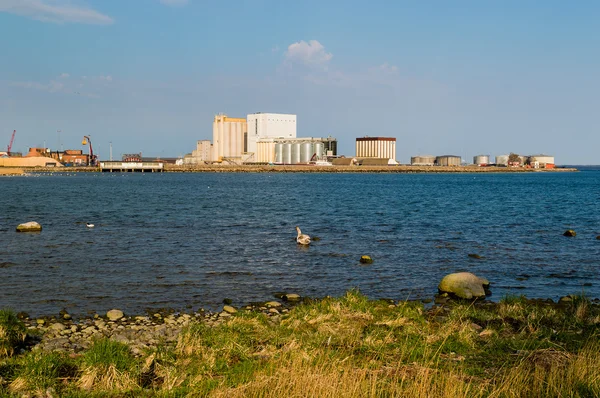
141 332
147 332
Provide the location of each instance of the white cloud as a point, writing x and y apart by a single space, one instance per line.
311 54
59 11
64 85
51 87
387 68
175 3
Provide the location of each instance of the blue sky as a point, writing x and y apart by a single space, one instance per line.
462 77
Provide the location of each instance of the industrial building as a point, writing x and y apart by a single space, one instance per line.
295 150
202 153
448 160
422 160
268 125
376 147
502 160
481 160
541 161
228 138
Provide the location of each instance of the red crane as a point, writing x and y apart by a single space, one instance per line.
93 158
12 139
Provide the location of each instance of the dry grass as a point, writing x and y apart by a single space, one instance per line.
352 347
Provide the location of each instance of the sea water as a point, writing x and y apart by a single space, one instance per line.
185 241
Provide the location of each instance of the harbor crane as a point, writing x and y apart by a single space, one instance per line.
93 160
12 139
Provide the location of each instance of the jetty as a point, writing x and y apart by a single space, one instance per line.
131 167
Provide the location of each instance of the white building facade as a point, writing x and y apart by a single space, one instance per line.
228 137
268 125
376 147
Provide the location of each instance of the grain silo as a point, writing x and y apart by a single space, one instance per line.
422 160
306 152
481 160
287 153
448 160
295 153
278 153
376 147
228 137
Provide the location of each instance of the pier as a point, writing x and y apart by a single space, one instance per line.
130 167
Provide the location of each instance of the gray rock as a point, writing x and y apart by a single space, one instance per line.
58 327
114 315
366 260
30 226
464 285
229 309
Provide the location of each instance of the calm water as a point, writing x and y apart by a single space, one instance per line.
190 240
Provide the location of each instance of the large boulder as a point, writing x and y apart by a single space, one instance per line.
30 226
464 285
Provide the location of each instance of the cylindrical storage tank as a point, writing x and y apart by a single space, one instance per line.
279 153
481 160
448 160
502 160
523 159
306 152
425 160
319 150
295 153
331 145
287 153
544 161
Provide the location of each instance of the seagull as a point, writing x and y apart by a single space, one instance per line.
89 225
302 239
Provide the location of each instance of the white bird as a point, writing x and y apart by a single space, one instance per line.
302 239
89 225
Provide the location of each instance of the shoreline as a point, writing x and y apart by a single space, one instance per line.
401 348
64 332
400 169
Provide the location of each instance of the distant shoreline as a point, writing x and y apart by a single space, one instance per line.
404 169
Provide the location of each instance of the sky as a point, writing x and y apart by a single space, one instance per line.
445 78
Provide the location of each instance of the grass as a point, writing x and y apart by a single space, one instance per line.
12 333
349 346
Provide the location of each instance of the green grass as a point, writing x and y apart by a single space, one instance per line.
12 333
347 346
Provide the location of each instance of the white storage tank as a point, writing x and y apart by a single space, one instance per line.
502 160
306 152
481 160
296 153
278 153
543 161
319 150
287 153
423 160
448 160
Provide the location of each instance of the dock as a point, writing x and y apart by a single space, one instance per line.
131 167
